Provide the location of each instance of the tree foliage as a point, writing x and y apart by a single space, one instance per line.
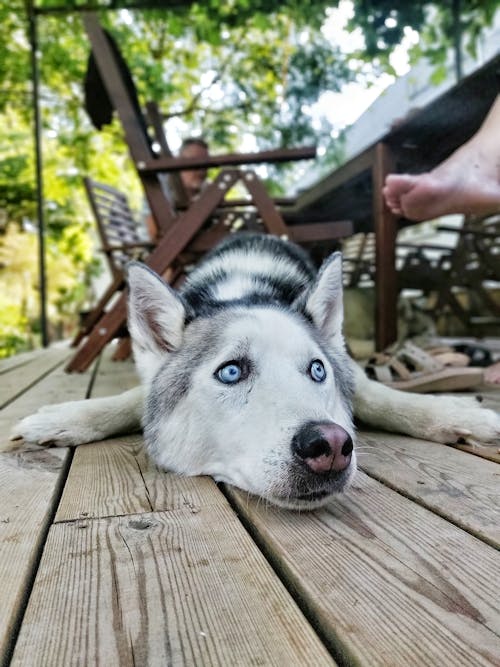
246 73
383 23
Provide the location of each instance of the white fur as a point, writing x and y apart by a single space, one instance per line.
77 422
242 434
445 419
154 301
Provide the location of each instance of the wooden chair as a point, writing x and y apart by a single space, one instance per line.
120 239
470 272
460 276
109 87
121 242
181 231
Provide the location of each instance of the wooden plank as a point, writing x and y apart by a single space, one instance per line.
463 488
54 387
104 480
108 478
384 581
113 376
488 453
18 360
271 216
320 231
29 488
16 380
115 478
167 164
166 588
30 485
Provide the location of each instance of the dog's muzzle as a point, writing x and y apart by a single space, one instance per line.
324 447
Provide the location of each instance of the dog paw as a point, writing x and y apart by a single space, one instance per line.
49 427
459 420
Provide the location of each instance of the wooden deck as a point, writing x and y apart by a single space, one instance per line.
104 560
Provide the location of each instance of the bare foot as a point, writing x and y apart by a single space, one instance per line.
492 373
467 182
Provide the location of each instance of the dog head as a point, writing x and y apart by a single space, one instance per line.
256 396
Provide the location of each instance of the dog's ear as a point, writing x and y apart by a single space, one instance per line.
156 317
324 301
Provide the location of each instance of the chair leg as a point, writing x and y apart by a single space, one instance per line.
124 349
271 217
97 312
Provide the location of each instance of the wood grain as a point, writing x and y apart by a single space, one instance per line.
463 488
16 380
167 588
54 387
386 581
113 376
29 488
115 477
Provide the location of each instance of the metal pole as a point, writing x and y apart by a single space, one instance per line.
37 136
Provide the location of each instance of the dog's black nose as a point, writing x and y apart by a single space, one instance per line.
323 446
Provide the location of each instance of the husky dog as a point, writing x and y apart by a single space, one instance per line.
245 377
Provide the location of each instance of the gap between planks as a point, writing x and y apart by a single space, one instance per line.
384 581
30 485
463 489
186 585
18 379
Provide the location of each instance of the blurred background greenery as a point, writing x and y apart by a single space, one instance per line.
248 74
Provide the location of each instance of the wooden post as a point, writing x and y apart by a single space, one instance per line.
385 226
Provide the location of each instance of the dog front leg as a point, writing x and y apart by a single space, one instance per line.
78 422
447 419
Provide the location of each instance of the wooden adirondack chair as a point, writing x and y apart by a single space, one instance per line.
181 231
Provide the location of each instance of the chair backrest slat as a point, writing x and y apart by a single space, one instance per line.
116 224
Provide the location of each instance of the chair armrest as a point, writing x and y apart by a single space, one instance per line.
128 246
166 164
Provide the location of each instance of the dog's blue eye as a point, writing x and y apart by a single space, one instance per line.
230 373
317 370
